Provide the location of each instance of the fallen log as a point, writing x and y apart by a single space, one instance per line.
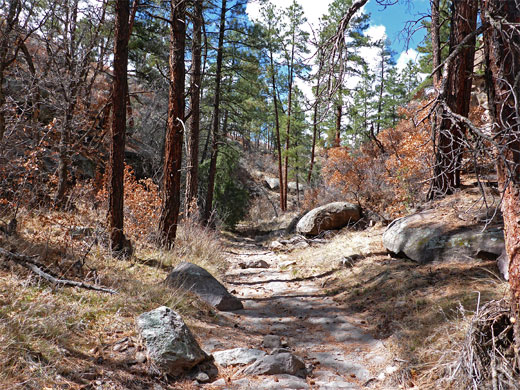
29 263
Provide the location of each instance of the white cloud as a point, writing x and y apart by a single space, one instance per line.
406 56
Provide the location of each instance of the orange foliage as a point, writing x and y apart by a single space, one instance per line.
384 182
141 202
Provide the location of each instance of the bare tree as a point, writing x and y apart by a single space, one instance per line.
174 129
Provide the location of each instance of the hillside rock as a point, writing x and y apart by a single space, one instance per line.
272 183
191 277
170 344
422 238
292 186
331 216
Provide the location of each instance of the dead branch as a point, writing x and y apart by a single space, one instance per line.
29 263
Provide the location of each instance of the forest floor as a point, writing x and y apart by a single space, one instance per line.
372 321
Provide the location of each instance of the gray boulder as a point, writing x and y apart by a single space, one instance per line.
170 344
281 363
272 183
237 356
423 238
292 186
191 277
331 216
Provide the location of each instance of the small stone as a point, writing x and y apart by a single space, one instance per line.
276 245
140 357
390 370
202 377
272 341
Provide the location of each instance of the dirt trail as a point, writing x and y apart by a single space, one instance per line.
341 353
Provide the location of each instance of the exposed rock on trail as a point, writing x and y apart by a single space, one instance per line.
170 344
310 341
191 277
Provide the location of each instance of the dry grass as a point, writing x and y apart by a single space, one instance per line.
63 337
423 312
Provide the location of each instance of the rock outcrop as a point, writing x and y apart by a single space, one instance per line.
423 238
191 277
170 344
329 217
237 356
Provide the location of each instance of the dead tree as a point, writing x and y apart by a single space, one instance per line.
174 128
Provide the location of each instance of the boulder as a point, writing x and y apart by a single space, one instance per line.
237 356
281 363
272 183
191 277
423 238
170 344
331 216
292 186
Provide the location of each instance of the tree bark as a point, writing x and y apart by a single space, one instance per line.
277 129
457 93
216 116
436 41
289 113
339 114
502 47
315 117
192 174
174 128
115 213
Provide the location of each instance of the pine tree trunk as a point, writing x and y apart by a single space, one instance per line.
436 41
277 129
174 130
288 133
456 90
337 137
118 127
192 174
502 47
216 116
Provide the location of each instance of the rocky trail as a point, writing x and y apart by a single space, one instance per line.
290 317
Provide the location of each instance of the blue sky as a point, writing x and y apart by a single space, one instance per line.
394 19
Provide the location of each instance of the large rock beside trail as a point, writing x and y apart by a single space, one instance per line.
329 217
170 344
422 237
279 363
191 277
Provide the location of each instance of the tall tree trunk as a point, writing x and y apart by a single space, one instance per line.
456 90
192 174
381 91
216 116
115 213
502 47
315 120
339 114
436 41
174 128
289 113
277 129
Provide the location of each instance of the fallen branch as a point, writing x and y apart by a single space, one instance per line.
29 263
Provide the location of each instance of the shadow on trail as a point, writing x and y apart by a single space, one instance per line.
301 279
